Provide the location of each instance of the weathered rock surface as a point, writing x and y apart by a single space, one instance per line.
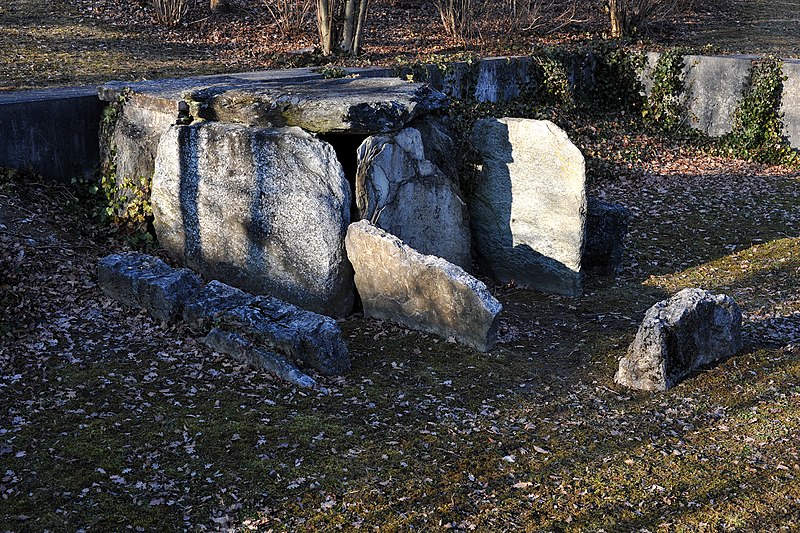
308 339
606 227
422 292
265 210
691 329
528 209
360 104
245 352
134 141
146 282
403 192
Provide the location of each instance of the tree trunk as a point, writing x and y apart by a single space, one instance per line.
325 26
616 11
349 25
362 20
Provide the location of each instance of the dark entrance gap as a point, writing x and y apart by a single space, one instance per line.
345 145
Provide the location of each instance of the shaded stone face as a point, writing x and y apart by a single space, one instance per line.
406 194
691 329
606 227
265 210
528 208
422 292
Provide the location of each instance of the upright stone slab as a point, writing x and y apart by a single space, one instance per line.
265 210
691 329
528 208
423 292
403 192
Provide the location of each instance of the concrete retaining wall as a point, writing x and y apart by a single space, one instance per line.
53 132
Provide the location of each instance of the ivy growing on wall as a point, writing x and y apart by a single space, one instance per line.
124 201
758 121
665 107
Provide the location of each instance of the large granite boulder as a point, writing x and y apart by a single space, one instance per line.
146 282
402 191
308 339
422 292
606 227
265 210
692 329
528 208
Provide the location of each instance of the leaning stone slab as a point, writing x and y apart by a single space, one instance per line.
691 329
245 352
310 340
262 209
606 227
528 208
400 190
422 292
147 282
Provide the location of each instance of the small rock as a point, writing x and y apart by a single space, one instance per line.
691 329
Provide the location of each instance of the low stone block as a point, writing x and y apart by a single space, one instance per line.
309 339
691 329
422 292
606 227
245 352
147 282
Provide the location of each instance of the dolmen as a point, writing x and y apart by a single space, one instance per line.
316 192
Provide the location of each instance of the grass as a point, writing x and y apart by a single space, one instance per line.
156 433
